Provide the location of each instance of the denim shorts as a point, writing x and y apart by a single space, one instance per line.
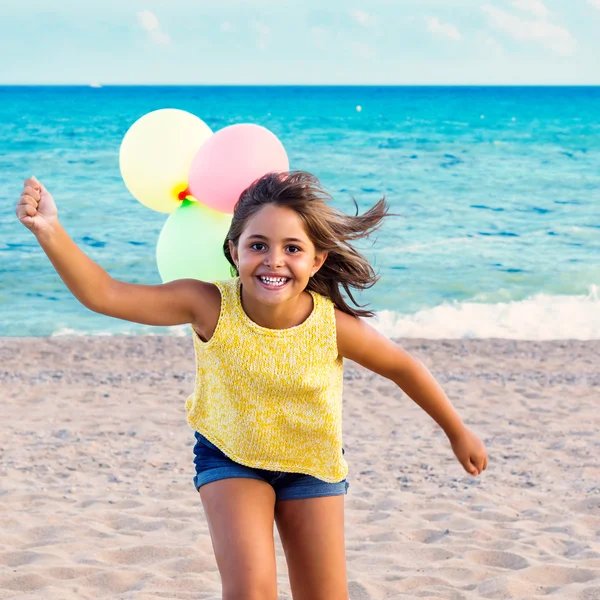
212 465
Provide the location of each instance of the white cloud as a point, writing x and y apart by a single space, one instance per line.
150 23
227 27
264 34
535 7
362 18
595 3
547 34
446 30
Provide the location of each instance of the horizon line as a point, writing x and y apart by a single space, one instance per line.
98 85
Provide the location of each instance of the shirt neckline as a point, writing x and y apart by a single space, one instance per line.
266 330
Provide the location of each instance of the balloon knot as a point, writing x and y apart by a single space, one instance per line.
183 195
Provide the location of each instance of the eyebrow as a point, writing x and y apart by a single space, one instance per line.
257 236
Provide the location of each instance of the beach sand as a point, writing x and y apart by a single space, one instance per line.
96 470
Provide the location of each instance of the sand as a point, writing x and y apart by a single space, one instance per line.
97 500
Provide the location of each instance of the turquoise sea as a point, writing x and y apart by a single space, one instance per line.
498 191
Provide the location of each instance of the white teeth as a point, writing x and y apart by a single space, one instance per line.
274 280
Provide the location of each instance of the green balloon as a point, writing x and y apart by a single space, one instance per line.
190 245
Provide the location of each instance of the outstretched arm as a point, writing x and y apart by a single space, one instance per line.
361 343
174 303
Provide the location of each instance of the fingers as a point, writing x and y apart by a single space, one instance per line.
474 464
33 183
478 464
471 454
31 192
472 469
32 187
29 210
28 202
27 205
25 209
467 463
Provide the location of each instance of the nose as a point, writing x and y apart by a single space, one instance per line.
274 258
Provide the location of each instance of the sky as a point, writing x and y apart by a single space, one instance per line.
308 42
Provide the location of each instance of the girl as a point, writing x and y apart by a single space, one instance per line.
267 403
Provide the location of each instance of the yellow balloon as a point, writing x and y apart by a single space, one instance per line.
156 155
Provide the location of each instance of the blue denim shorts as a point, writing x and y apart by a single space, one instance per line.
212 465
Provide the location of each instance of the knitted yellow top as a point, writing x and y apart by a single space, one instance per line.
271 398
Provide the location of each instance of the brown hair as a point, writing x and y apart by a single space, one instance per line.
329 230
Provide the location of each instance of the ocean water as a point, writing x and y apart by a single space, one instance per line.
498 191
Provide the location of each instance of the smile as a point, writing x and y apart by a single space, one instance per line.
273 282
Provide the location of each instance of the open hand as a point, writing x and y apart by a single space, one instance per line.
470 451
36 208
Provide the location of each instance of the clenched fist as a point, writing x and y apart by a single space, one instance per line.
36 208
470 451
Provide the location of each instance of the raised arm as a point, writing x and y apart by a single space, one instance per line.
360 342
178 302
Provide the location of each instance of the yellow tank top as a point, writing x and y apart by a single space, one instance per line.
271 398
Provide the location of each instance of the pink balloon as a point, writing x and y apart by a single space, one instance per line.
230 160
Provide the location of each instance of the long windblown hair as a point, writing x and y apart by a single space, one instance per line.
329 229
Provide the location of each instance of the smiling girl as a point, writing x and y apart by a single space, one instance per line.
266 409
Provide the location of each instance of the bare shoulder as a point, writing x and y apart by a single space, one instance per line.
360 342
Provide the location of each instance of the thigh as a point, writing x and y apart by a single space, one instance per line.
240 515
312 535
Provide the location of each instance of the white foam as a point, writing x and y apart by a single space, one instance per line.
450 242
67 332
175 331
540 317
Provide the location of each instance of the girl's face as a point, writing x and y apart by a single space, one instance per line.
275 256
